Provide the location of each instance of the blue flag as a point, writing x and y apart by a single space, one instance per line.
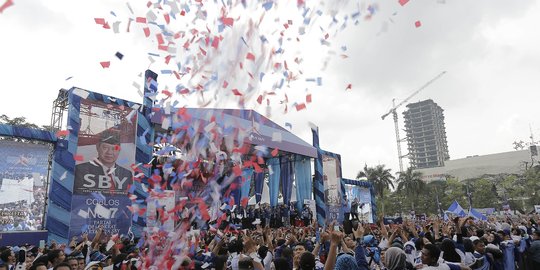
456 209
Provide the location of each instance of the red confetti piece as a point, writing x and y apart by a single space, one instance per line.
167 93
403 2
300 106
106 26
78 157
167 59
99 21
202 51
236 92
184 91
308 98
349 87
417 24
167 18
7 4
215 42
106 64
326 36
146 31
227 21
62 133
160 39
183 13
225 84
275 152
259 99
250 56
140 20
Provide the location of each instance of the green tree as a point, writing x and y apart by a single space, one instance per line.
380 178
482 194
17 121
410 182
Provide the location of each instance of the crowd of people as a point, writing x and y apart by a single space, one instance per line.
461 243
268 216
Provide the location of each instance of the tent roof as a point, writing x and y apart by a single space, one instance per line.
262 129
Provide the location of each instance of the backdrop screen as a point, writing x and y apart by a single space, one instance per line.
23 173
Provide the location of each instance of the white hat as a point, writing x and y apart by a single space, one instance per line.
474 238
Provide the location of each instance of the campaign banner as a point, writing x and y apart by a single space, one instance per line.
23 173
105 153
89 213
105 149
332 188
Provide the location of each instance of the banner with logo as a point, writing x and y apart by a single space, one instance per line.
103 175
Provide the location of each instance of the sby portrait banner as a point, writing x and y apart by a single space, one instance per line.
105 153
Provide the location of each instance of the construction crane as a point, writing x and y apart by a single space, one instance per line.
394 113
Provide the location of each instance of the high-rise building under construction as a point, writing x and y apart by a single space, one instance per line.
426 134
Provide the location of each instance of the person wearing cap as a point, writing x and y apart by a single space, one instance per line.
103 172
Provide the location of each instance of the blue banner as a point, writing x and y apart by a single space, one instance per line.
91 212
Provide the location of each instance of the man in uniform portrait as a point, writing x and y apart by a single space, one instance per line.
103 174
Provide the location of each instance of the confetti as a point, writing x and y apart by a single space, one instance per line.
6 4
119 55
349 87
417 24
403 2
105 64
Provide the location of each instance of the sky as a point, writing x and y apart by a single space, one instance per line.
489 48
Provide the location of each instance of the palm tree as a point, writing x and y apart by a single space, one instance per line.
410 182
380 178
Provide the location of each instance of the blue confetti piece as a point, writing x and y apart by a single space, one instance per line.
319 81
355 15
281 83
114 14
279 50
166 71
268 5
319 12
186 8
261 75
288 125
263 39
119 55
310 80
307 21
306 10
344 48
154 54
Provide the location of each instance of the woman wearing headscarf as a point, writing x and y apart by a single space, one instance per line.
395 259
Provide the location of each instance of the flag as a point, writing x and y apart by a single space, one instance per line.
477 215
456 209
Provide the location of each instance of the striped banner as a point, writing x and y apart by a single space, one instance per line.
318 184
